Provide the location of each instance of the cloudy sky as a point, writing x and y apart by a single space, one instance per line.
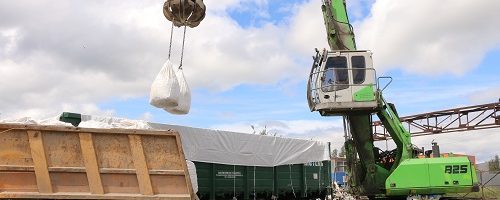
247 63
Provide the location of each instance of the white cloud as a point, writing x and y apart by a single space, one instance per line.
55 111
71 55
357 8
231 56
147 116
218 5
487 95
87 52
429 37
307 29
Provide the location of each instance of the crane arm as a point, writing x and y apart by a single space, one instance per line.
402 138
338 29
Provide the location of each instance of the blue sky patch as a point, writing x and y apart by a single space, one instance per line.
250 14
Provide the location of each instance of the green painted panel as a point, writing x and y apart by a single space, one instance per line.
431 176
411 173
448 173
364 94
311 180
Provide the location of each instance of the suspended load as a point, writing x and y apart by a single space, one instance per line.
165 90
170 91
184 100
184 12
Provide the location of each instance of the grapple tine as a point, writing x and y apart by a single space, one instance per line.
167 12
188 9
198 14
177 12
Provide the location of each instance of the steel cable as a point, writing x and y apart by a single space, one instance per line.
182 50
171 36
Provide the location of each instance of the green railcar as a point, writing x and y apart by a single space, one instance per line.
299 181
221 182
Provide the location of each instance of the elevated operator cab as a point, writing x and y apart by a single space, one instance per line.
342 81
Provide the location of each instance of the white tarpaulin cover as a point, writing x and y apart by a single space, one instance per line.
232 148
214 146
52 121
89 121
224 147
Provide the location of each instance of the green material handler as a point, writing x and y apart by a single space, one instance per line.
343 82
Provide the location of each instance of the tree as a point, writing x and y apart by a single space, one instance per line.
264 131
494 164
335 153
342 151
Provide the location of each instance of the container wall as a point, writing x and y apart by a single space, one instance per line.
301 181
48 162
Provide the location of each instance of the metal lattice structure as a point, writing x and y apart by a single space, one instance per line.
468 118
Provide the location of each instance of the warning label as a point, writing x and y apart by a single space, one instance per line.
228 174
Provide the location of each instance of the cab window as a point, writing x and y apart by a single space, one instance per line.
336 76
358 69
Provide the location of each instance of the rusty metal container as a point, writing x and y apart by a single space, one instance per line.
52 162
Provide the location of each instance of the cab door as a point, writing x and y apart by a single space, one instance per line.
362 77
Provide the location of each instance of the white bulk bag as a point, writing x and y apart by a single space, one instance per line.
165 88
184 103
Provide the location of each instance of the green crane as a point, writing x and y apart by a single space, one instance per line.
343 82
